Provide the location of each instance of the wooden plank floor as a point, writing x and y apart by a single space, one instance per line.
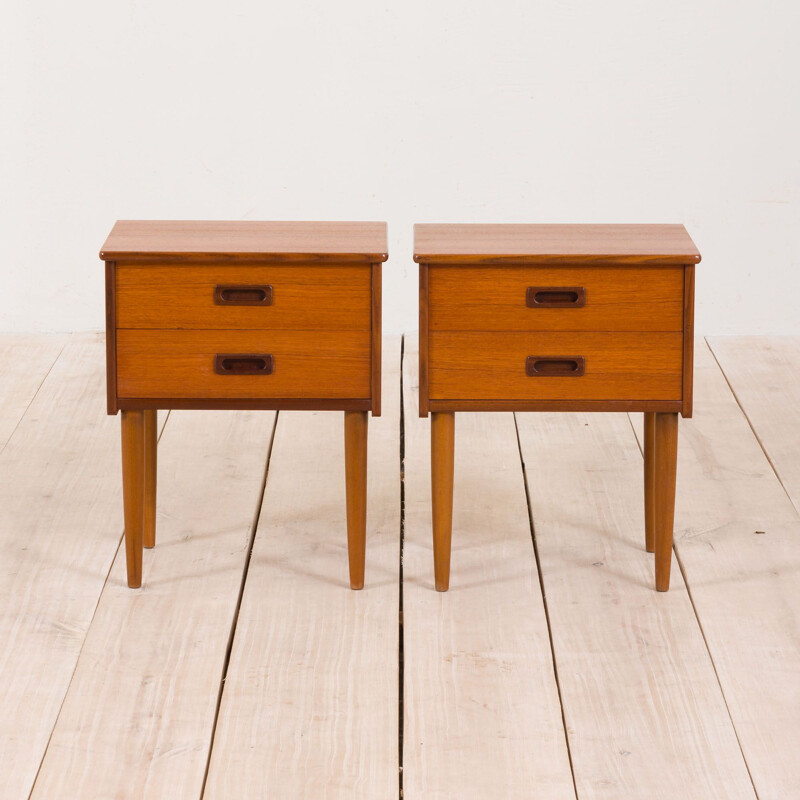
26 361
60 527
641 700
246 668
310 707
482 715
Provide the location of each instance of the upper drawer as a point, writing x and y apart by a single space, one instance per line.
201 296
555 298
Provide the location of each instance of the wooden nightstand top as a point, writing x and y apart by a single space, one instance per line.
145 240
552 244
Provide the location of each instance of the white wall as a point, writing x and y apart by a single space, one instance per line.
616 111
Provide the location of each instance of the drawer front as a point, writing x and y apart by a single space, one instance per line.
204 364
555 298
266 297
466 365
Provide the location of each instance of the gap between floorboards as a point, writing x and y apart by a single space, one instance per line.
88 627
544 604
235 620
685 576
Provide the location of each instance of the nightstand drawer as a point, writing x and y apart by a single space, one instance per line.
541 298
465 365
268 296
243 364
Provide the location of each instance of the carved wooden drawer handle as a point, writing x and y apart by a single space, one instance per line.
244 364
243 295
555 366
555 297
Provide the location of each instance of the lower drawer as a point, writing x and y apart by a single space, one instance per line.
295 364
466 365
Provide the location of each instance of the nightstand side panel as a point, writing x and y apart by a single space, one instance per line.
111 338
423 339
375 340
688 340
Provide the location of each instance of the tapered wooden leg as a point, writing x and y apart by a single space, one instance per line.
442 451
649 481
150 476
666 458
355 457
133 492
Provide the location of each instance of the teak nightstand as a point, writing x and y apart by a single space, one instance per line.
557 318
241 315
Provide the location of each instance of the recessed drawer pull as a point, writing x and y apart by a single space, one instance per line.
555 297
244 364
243 295
555 366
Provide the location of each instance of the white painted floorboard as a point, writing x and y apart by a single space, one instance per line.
111 692
645 713
482 716
60 526
310 707
738 540
139 716
26 359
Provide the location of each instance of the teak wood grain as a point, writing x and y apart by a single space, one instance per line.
552 405
241 315
666 461
554 244
688 341
111 337
466 365
559 318
618 298
442 470
191 240
376 340
133 488
256 403
649 452
178 363
150 477
356 428
424 325
304 296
